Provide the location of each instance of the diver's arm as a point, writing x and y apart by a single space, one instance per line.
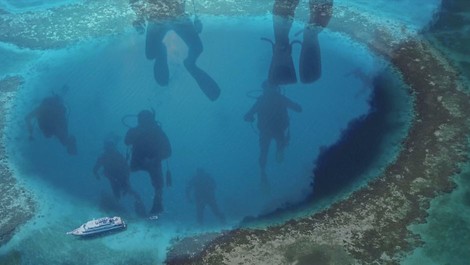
96 168
212 183
129 140
292 105
189 190
249 116
29 122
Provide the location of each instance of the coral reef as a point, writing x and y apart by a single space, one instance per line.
16 204
61 26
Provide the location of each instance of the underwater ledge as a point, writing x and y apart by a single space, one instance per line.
371 225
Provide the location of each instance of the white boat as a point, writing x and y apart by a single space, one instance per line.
98 226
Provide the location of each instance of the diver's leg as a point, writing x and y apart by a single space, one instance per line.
283 16
200 212
115 187
127 189
138 203
154 46
215 209
67 140
71 145
282 70
264 141
156 49
185 29
310 56
61 130
61 136
156 176
281 143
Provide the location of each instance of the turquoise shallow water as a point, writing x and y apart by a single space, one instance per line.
109 78
19 6
446 231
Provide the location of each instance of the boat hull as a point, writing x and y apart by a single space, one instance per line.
99 226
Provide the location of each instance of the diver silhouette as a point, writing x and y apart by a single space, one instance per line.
150 145
201 191
117 171
51 116
271 109
282 70
165 15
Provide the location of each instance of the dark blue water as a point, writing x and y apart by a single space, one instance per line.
364 141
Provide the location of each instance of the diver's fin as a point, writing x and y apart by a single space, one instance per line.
71 145
282 70
205 82
265 186
153 217
139 208
310 57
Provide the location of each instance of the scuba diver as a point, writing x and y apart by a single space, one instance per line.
116 170
51 116
201 190
150 146
165 15
273 122
282 70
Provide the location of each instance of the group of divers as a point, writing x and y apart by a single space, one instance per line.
150 144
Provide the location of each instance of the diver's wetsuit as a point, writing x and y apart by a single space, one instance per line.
282 69
320 14
163 16
202 186
51 116
149 147
116 170
273 120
